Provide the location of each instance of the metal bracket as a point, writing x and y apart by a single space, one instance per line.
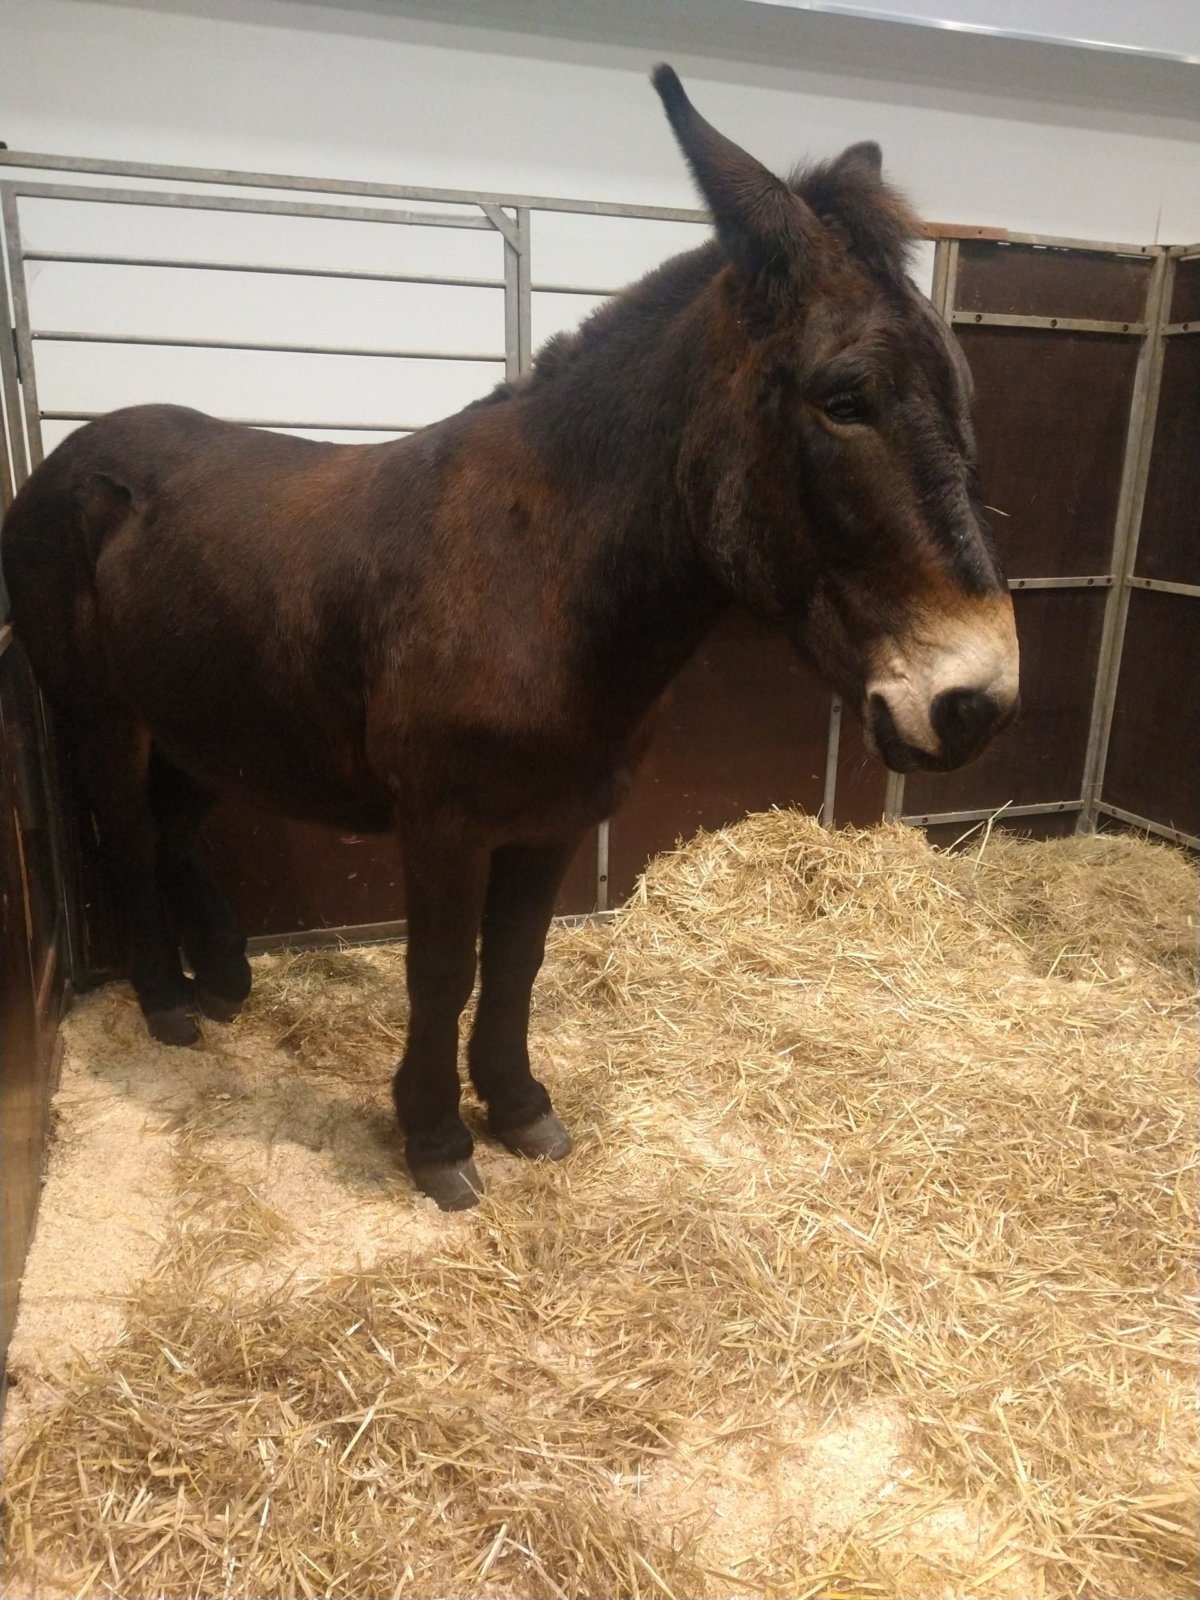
503 224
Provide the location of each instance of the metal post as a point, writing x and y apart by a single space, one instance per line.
1139 440
21 381
524 291
512 315
12 438
945 282
832 745
602 867
20 306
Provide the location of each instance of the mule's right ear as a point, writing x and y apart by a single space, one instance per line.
764 227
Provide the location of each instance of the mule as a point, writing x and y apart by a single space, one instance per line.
462 635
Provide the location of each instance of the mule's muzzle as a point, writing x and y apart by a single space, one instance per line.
963 721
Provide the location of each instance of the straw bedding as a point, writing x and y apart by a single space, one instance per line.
871 1273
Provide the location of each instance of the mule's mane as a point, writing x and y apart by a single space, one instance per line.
867 217
872 218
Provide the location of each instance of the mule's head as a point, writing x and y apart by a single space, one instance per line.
831 465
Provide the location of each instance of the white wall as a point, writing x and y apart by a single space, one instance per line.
976 130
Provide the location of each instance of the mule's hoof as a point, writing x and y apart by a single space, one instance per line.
216 1006
173 1025
455 1185
542 1140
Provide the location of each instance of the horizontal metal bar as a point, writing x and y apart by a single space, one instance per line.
164 341
1045 241
1161 586
962 230
981 813
262 422
1182 327
70 258
231 178
574 288
1176 835
376 933
229 202
1102 580
1182 252
1002 319
327 938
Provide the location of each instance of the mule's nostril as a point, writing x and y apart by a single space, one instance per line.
963 720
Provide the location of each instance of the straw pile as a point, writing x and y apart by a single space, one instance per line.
871 1274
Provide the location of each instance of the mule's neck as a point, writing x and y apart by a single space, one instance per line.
608 426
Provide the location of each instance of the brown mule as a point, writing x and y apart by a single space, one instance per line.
463 635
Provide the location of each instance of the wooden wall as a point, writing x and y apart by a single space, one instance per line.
33 966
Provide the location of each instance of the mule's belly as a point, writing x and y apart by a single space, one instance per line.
296 782
266 713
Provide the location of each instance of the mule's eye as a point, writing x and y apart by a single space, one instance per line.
849 407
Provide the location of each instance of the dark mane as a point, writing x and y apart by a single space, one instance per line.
622 322
873 219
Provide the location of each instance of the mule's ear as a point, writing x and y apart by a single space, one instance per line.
762 224
863 160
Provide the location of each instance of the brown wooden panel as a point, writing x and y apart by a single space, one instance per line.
578 891
19 715
1052 413
744 729
1185 296
1036 281
1169 543
1041 756
1153 764
25 1056
290 877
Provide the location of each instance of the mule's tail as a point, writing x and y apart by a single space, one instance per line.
50 540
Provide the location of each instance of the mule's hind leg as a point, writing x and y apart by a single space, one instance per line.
212 938
522 887
110 754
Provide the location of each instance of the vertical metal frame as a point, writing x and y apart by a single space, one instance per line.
16 461
1161 329
1139 440
22 336
24 432
524 292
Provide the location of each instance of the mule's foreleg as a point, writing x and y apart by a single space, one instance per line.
445 877
522 887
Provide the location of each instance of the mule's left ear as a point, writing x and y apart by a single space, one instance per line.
764 227
863 160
